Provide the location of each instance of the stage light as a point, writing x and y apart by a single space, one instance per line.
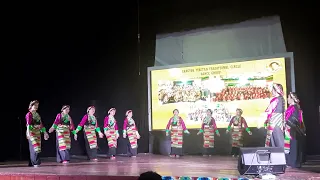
175 72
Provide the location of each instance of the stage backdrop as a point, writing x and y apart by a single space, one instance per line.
220 87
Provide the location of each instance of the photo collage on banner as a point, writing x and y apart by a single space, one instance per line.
220 87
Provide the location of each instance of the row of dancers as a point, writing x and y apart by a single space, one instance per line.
283 130
176 127
64 127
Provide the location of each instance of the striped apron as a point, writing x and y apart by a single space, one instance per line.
64 139
35 138
287 138
91 136
236 135
208 136
111 138
132 136
277 119
176 136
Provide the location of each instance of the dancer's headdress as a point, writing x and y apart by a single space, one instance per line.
65 107
175 110
111 110
240 110
33 103
129 111
294 97
278 88
91 107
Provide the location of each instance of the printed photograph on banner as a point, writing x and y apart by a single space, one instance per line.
178 91
220 87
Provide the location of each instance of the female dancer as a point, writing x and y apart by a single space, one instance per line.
239 123
90 123
275 119
62 125
34 130
177 129
294 132
130 129
111 132
208 128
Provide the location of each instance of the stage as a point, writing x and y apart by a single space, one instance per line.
124 168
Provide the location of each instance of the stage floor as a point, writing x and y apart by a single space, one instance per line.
192 166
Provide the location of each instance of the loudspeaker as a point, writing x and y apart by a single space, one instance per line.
262 160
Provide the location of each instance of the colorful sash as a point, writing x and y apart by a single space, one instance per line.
64 140
35 138
276 119
176 136
91 136
132 136
208 136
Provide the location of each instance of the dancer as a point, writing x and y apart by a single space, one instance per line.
63 124
275 119
177 129
238 123
111 132
130 129
90 123
34 130
208 128
294 132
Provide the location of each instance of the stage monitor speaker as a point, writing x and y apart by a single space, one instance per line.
261 160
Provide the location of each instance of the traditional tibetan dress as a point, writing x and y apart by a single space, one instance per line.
177 129
111 128
236 126
293 138
35 129
208 128
129 128
63 125
275 123
90 125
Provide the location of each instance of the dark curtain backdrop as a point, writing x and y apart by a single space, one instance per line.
317 83
68 59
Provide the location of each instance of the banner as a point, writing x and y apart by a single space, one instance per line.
220 87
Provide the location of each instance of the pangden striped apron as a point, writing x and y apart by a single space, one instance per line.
208 136
111 138
176 135
35 138
287 138
237 132
91 136
63 133
277 119
132 136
